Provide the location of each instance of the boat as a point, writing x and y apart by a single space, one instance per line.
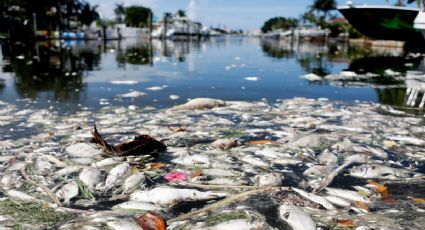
383 21
419 22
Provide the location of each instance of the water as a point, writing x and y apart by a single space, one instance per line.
79 74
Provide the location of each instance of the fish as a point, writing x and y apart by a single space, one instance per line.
270 179
68 191
138 205
347 194
296 218
20 195
69 170
116 174
200 103
379 171
170 196
90 177
240 224
133 181
315 198
82 150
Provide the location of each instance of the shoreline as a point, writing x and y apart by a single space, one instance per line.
294 143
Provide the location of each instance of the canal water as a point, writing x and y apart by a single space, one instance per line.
90 75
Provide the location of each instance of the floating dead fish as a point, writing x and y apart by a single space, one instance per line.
69 170
68 191
296 218
240 224
315 198
224 144
133 181
108 161
312 77
347 194
91 177
379 171
141 145
200 103
132 94
137 205
171 196
116 174
15 194
270 179
328 158
82 150
407 139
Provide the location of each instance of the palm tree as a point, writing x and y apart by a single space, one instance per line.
323 6
119 12
167 17
181 13
88 14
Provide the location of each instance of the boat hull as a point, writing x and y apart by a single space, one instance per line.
383 22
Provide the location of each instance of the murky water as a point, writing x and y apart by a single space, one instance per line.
81 74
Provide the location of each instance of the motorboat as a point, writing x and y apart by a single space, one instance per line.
383 21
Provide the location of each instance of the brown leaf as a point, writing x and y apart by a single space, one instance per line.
177 129
383 191
361 205
197 173
151 221
418 200
141 145
346 223
155 165
261 142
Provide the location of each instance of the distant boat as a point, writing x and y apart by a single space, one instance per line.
383 22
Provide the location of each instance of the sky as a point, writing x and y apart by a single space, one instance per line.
232 14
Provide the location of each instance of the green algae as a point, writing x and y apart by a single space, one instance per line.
33 213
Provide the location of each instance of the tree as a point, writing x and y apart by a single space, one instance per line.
323 6
137 16
119 12
88 14
279 23
181 13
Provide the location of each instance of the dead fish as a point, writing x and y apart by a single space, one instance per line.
296 218
133 181
90 177
240 224
315 198
375 151
68 191
224 144
123 224
137 205
69 170
255 161
338 201
82 150
108 161
410 140
347 194
270 179
20 195
54 160
379 171
116 174
43 167
317 170
328 158
170 196
200 103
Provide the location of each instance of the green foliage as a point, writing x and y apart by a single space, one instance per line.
137 16
84 191
223 217
33 213
279 23
181 13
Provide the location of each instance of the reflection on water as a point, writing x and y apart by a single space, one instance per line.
81 73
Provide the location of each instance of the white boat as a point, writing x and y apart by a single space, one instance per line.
177 27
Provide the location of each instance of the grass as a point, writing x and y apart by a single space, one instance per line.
234 133
223 217
84 191
33 213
